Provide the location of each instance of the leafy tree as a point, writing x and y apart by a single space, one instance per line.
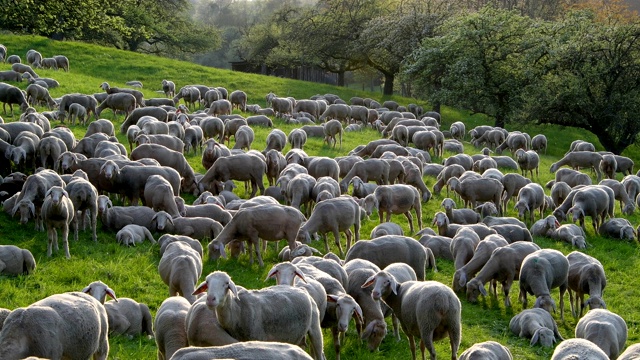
477 63
589 78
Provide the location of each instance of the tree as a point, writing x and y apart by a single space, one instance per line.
589 78
476 63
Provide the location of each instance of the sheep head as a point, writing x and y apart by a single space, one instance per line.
217 285
545 302
383 285
544 336
374 333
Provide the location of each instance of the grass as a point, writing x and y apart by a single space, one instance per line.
132 272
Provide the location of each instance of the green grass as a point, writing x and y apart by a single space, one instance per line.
132 272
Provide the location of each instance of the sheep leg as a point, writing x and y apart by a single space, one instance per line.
349 235
506 287
523 297
256 247
94 222
51 236
563 288
74 222
396 326
409 217
412 346
65 240
572 303
336 341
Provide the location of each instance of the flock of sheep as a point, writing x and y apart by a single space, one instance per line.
74 181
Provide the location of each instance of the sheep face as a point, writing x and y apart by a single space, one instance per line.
27 210
99 291
374 333
595 302
346 307
217 285
383 284
544 336
545 302
474 289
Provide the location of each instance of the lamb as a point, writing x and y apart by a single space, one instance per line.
169 141
386 228
332 215
572 234
586 276
416 305
88 101
244 138
454 170
246 350
62 62
287 254
130 181
180 268
580 159
268 222
77 112
195 227
540 272
16 261
536 324
389 249
168 325
480 254
241 312
331 129
158 195
605 329
136 93
84 197
530 198
119 101
133 234
76 325
528 160
10 94
104 126
32 195
57 213
504 266
459 216
617 228
578 349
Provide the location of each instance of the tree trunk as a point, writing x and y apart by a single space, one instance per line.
340 78
388 84
499 121
436 107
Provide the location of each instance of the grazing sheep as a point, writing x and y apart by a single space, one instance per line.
398 199
572 234
528 160
540 272
488 350
459 216
16 261
10 75
386 228
242 313
473 190
333 215
580 159
593 201
62 62
426 309
168 325
538 143
246 350
167 239
84 197
180 268
196 227
10 94
244 138
620 194
536 324
133 234
530 198
503 266
75 323
367 170
605 329
331 129
77 112
440 246
13 59
170 159
480 253
57 213
545 227
578 349
297 138
608 166
269 222
586 276
617 228
88 101
243 167
37 94
118 101
169 88
158 195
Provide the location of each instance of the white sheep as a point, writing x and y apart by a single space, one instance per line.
168 326
429 310
544 227
203 327
586 276
480 256
180 267
247 350
75 325
57 213
16 261
195 227
536 324
488 350
84 197
572 234
605 329
291 313
459 216
133 234
632 352
578 349
540 272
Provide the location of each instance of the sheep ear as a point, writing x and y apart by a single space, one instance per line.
300 275
86 289
223 251
32 208
394 286
233 288
463 279
483 291
332 298
65 193
622 233
358 314
170 219
201 289
535 337
272 273
369 281
111 293
47 193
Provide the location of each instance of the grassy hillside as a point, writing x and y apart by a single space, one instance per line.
132 272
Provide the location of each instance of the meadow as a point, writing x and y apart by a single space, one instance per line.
132 272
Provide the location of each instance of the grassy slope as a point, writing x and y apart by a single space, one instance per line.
132 272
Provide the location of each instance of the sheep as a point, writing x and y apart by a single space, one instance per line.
301 250
24 68
591 201
538 143
367 170
454 170
493 138
167 239
32 195
489 350
389 249
88 101
536 324
169 141
37 94
180 267
332 215
75 323
440 246
483 189
297 138
13 59
172 159
621 195
572 234
513 233
586 276
84 197
578 349
203 328
246 350
10 75
630 353
484 164
104 126
77 112
340 112
211 211
398 199
331 129
530 198
195 227
117 217
458 130
416 305
10 94
118 101
243 167
580 159
544 227
268 221
459 216
16 261
386 228
61 62
168 325
617 228
540 272
158 195
528 160
139 96
480 253
241 312
133 234
169 88
57 213
130 181
244 137
608 166
513 142
605 329
444 228
504 266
